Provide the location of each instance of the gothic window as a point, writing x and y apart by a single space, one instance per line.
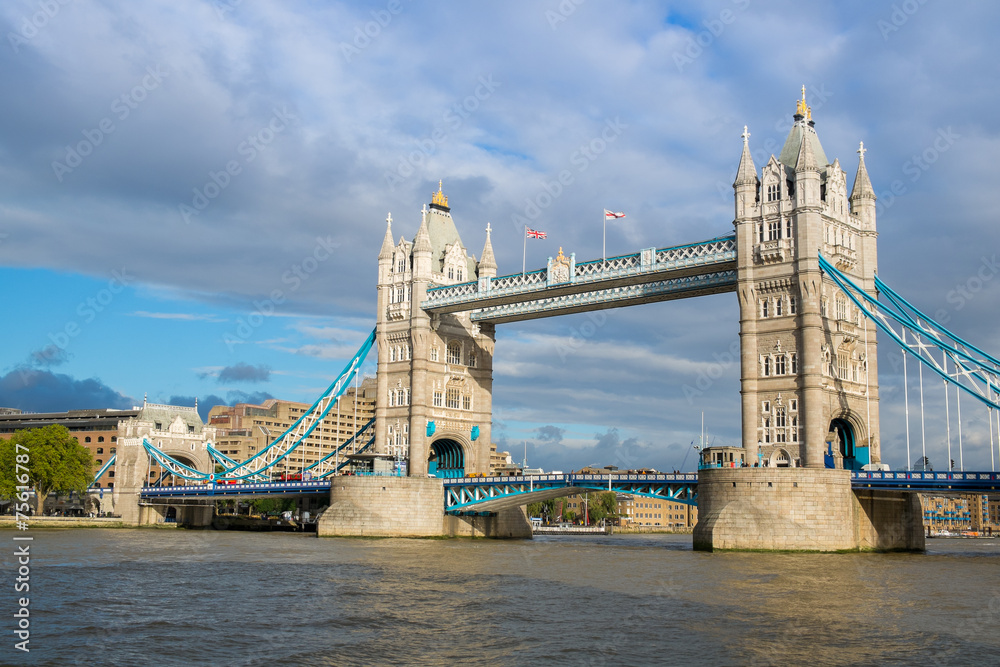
406 435
779 418
842 366
760 232
453 398
854 370
777 306
454 352
794 359
472 359
822 306
773 192
438 399
767 366
434 354
392 354
392 398
793 405
788 228
779 365
795 429
767 430
406 396
451 273
791 305
841 307
765 406
773 231
466 402
763 307
459 275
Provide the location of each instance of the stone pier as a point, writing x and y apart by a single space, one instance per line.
407 507
801 509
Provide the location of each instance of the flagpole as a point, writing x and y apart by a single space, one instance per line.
604 240
524 251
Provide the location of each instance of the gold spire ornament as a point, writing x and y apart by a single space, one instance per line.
438 197
801 108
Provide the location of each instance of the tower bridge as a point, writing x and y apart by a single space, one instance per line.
802 261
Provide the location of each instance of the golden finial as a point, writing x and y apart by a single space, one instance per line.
800 108
439 198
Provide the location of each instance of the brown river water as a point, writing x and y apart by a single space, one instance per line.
176 597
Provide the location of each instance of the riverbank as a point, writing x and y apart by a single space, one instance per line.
40 522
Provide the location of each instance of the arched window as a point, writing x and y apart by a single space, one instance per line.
773 192
100 450
454 352
459 275
763 307
777 307
392 354
87 439
767 366
794 359
779 365
100 438
451 273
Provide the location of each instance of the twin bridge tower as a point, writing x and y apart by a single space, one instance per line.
809 380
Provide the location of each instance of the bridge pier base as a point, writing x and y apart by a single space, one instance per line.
801 509
407 507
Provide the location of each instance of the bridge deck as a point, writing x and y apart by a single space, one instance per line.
649 275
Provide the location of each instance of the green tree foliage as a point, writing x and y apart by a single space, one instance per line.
55 461
267 506
602 506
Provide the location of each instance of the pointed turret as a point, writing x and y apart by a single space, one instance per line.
488 263
862 184
387 245
422 241
747 172
806 159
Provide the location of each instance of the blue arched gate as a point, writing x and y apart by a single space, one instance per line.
447 459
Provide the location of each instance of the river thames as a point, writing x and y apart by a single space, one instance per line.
175 597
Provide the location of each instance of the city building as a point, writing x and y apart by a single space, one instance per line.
953 514
501 463
245 429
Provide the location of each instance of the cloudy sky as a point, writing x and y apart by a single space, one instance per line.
193 193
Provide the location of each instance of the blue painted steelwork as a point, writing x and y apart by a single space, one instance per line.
646 266
975 372
712 282
495 493
284 444
969 482
323 468
251 489
448 459
104 469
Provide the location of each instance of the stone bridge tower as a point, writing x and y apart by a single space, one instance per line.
435 372
808 361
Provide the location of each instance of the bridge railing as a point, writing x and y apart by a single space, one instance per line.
713 251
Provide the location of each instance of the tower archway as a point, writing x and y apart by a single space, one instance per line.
846 440
446 459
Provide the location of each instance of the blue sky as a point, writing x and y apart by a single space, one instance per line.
170 170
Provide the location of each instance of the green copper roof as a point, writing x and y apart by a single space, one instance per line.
790 151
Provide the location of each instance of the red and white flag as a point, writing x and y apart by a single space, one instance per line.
612 214
533 233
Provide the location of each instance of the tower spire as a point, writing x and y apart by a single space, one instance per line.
387 245
488 263
862 184
747 172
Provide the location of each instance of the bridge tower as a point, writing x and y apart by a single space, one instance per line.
808 362
435 371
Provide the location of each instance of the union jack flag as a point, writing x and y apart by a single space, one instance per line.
611 214
534 233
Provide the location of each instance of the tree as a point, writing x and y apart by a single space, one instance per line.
602 506
45 459
272 506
